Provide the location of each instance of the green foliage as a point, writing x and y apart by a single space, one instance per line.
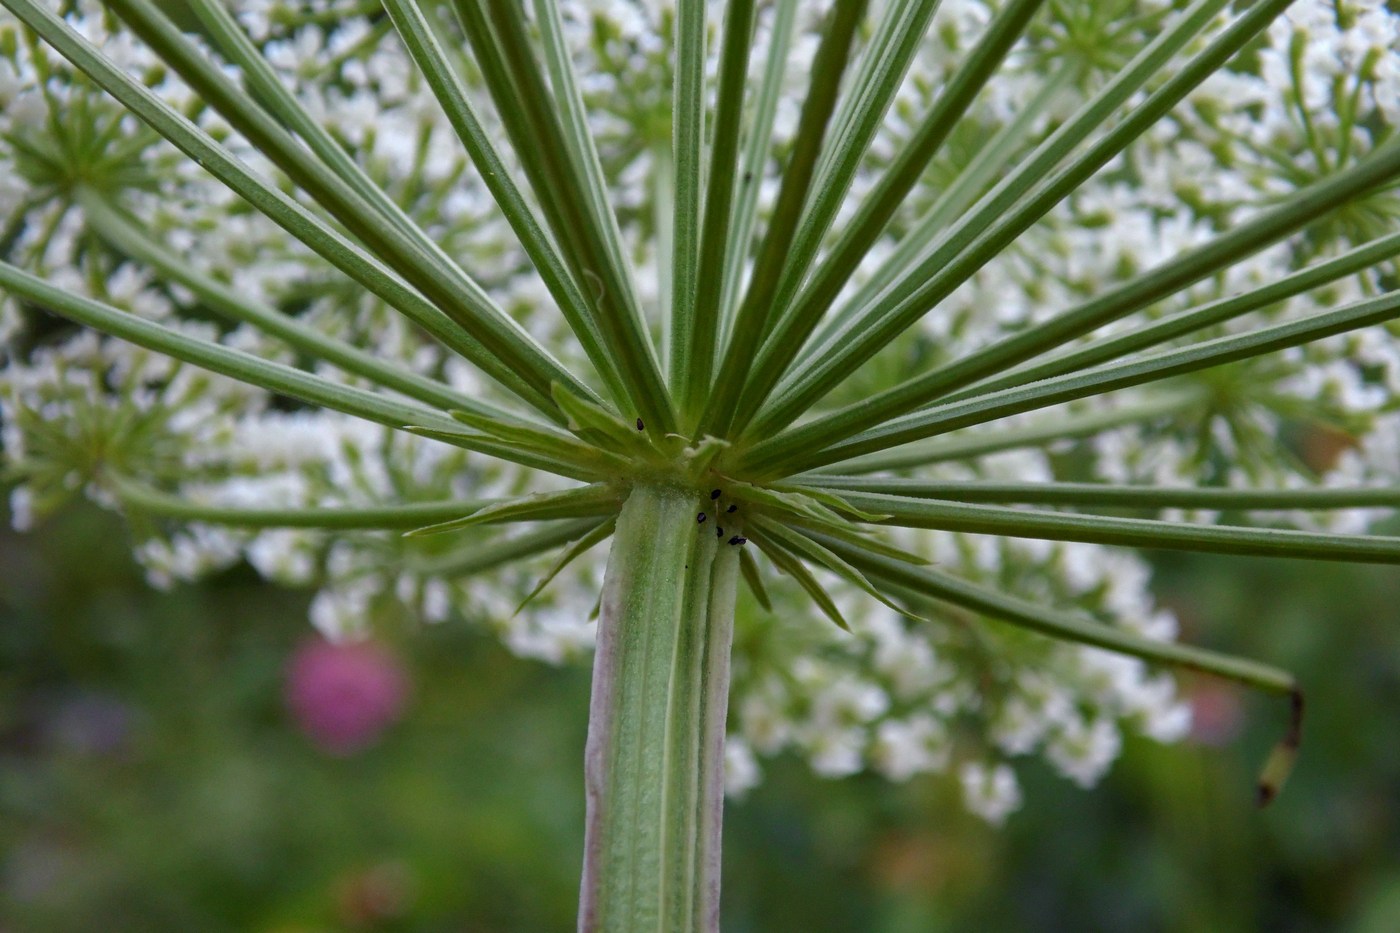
214 813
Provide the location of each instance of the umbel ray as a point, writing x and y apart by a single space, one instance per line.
917 314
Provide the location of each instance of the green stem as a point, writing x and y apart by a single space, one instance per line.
1045 431
687 152
274 377
988 162
698 358
405 516
801 315
1114 496
925 584
663 211
236 364
126 236
262 80
280 208
1192 320
378 224
833 54
1127 532
655 756
556 155
752 163
882 68
419 38
568 99
1017 202
1096 381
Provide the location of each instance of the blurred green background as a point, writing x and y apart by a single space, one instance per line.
151 779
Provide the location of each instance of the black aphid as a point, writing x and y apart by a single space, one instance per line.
640 426
732 509
719 532
714 493
700 519
737 540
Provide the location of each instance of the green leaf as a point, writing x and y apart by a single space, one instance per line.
574 550
583 502
804 546
590 465
814 508
1284 755
700 458
748 566
490 551
838 505
853 535
790 565
594 422
540 439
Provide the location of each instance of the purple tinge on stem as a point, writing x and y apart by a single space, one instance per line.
343 696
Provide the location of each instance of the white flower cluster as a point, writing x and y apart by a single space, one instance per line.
955 694
958 691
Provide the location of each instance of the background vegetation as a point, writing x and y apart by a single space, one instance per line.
152 779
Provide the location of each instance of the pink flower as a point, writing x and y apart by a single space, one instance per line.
343 696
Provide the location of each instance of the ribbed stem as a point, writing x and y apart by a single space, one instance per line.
654 763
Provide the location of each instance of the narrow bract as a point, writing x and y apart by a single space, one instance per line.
889 309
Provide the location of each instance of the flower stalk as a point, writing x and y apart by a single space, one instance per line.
820 319
654 763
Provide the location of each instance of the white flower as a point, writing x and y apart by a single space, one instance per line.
835 753
991 793
1082 752
882 696
741 770
913 746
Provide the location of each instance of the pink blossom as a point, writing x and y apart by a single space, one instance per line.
343 696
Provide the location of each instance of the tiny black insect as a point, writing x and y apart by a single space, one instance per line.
714 493
732 509
738 540
640 426
748 177
719 532
700 519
